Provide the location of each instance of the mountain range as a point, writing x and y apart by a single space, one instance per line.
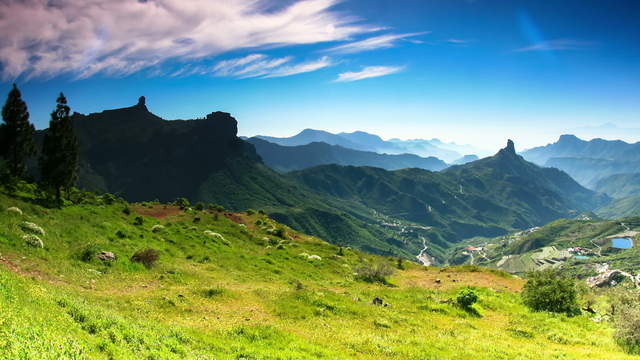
359 140
288 158
139 156
587 161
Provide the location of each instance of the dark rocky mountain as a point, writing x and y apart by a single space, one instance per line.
587 161
289 158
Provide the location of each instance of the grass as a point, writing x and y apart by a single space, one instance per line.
249 299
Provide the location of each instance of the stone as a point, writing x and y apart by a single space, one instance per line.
106 256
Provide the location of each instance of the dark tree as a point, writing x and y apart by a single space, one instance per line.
16 133
59 161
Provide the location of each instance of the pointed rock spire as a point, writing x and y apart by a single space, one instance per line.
511 147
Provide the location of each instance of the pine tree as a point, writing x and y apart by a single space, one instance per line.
16 133
59 161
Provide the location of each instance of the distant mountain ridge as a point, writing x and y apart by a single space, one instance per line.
360 140
482 198
289 158
587 161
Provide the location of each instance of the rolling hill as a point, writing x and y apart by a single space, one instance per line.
226 286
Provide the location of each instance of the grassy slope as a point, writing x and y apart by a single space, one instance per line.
206 299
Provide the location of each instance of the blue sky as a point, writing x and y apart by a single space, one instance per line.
470 71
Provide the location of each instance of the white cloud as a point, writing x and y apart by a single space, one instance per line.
372 43
300 68
260 65
559 44
368 72
120 37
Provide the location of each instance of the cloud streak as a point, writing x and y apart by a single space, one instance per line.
262 66
373 43
368 72
44 38
559 44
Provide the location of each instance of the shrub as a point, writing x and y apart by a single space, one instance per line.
126 211
214 292
183 203
121 234
550 290
33 240
108 199
89 253
251 212
138 221
466 298
374 273
626 320
400 264
157 228
200 206
32 228
146 257
14 210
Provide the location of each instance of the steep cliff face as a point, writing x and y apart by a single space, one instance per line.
140 156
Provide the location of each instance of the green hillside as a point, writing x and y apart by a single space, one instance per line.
240 286
488 197
549 246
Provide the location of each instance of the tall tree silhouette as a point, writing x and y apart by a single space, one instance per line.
59 161
16 133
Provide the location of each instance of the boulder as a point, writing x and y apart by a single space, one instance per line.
106 256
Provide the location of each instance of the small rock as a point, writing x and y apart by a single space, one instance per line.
106 256
438 281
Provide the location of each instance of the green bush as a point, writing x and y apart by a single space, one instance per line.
550 290
89 253
126 211
626 320
466 298
108 199
138 221
377 272
199 206
181 202
147 257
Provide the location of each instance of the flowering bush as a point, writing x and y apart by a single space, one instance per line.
32 228
14 210
33 240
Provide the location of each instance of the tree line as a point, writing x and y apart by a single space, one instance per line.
59 157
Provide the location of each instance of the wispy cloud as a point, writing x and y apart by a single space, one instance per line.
262 66
369 72
45 38
460 42
559 44
377 42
